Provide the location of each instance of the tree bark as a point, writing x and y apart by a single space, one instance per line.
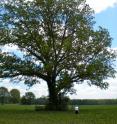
53 97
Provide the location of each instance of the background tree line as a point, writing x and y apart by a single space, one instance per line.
13 97
93 101
43 101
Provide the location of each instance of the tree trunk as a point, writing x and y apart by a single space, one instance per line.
57 101
53 97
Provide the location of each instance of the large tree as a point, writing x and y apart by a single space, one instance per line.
59 45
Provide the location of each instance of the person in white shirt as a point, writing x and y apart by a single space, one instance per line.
76 109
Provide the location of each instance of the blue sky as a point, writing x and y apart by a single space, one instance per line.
105 16
108 19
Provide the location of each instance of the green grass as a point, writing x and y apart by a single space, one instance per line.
18 114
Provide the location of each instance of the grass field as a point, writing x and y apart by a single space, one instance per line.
17 114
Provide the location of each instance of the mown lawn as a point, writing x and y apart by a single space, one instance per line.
18 114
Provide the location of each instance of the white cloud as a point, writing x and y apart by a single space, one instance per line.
9 85
86 92
101 5
38 89
9 48
13 49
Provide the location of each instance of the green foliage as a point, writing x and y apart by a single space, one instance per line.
93 102
58 42
61 105
41 101
15 96
64 103
28 98
4 95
